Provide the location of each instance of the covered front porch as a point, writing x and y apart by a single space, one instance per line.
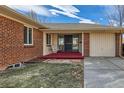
62 45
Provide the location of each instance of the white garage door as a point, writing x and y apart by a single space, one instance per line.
102 44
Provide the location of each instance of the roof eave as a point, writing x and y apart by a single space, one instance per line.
8 12
91 29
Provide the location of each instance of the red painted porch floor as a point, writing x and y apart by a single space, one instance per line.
63 55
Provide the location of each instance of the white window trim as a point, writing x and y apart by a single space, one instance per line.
50 38
28 36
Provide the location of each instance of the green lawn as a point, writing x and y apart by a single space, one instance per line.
47 75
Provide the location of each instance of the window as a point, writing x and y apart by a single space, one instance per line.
48 39
28 39
61 40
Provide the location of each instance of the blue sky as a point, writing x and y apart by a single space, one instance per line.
67 14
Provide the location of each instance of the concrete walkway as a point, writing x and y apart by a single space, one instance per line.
103 72
63 61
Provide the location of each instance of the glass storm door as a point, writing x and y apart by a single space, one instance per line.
68 42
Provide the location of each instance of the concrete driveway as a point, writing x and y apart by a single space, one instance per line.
103 72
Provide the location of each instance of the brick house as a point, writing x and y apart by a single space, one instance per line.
22 39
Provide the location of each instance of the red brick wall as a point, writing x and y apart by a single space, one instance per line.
86 44
12 48
117 40
37 48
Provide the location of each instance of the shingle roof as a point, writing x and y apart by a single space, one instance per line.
78 26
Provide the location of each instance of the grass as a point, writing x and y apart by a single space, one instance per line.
46 75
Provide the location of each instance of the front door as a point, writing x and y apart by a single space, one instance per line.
68 42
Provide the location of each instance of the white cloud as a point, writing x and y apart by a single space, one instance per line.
67 8
87 21
40 10
69 11
53 11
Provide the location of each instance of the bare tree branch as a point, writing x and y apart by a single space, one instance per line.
115 15
37 18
